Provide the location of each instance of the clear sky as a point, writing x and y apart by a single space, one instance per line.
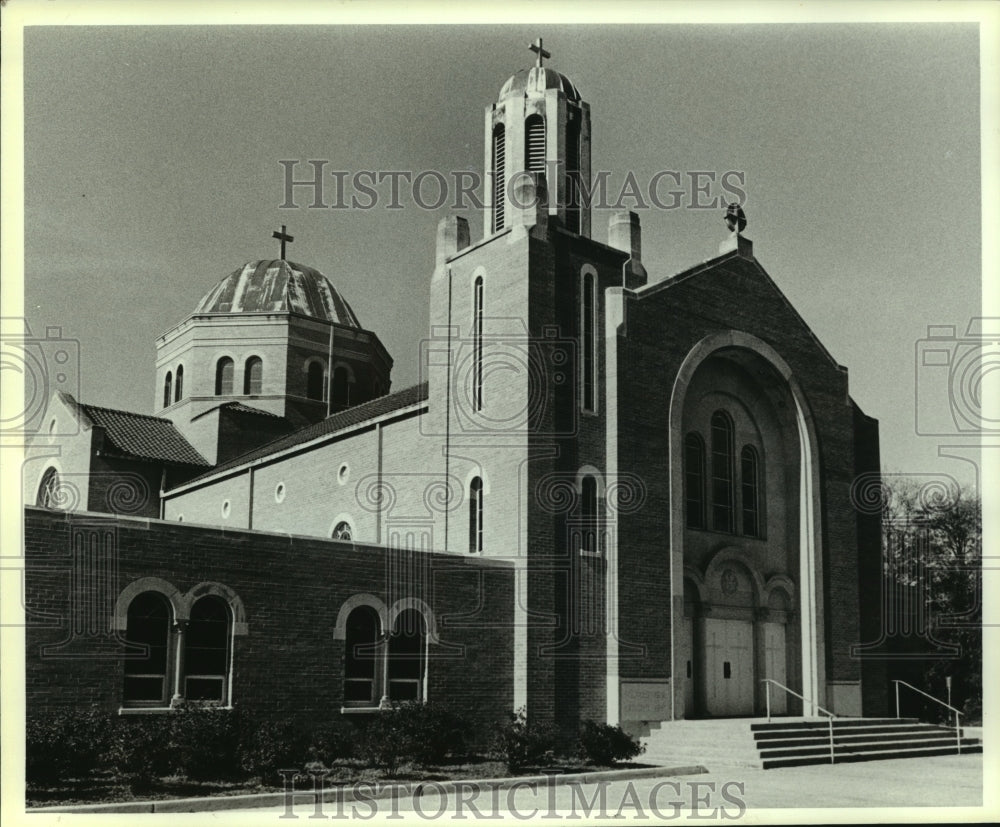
152 172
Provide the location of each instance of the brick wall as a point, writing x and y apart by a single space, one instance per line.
288 664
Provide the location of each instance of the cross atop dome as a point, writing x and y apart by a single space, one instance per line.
284 238
536 47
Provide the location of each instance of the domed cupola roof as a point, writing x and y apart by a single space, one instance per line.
278 286
538 79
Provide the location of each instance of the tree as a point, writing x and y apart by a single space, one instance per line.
932 547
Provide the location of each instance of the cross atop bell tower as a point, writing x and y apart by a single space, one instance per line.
536 47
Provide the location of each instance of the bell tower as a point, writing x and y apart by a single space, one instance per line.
539 124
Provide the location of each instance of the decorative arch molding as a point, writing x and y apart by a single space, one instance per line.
697 580
810 594
352 603
210 587
729 554
589 471
405 603
475 471
344 517
320 360
340 363
178 606
779 582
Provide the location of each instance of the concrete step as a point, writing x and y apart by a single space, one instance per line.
763 738
856 738
818 723
864 746
914 752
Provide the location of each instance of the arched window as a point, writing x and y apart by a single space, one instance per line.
722 472
206 651
573 194
407 659
361 656
253 376
477 344
534 144
589 514
694 480
179 384
341 386
148 626
49 495
476 515
588 361
342 531
750 490
314 381
224 376
499 176
168 385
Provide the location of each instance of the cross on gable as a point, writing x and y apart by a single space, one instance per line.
536 47
283 237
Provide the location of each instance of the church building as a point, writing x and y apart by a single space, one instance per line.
613 495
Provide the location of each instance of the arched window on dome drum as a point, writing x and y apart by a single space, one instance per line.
206 651
407 658
722 472
573 194
476 515
179 384
341 386
361 656
477 344
750 490
148 627
588 361
49 495
694 480
499 171
253 376
314 381
342 531
168 385
589 516
224 377
534 144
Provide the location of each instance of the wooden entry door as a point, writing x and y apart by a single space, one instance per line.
728 674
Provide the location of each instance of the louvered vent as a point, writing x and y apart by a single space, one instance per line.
534 147
499 180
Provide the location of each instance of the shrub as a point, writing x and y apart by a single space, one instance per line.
63 746
605 745
520 743
268 746
140 749
433 732
386 743
206 742
332 740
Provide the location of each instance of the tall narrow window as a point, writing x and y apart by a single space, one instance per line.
50 493
253 376
694 480
361 655
224 376
587 343
179 384
314 381
534 144
341 386
499 176
206 651
476 515
589 514
168 385
148 626
573 194
722 472
477 344
407 659
750 490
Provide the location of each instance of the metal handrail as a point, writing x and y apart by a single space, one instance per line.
958 728
830 715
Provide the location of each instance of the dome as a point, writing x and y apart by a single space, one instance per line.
538 79
278 286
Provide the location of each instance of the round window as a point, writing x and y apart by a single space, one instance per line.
279 492
344 473
225 509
